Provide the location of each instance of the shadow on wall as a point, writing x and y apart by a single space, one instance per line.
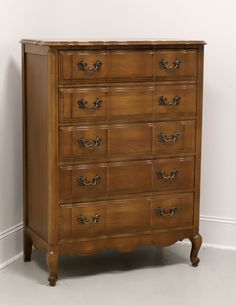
11 148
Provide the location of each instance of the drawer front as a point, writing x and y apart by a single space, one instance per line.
91 142
171 211
125 216
81 182
130 139
131 215
78 182
77 104
131 64
80 221
86 181
130 101
82 142
93 65
120 102
173 173
175 137
176 64
130 177
83 65
175 100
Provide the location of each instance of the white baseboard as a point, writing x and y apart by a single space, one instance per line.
11 241
217 232
11 260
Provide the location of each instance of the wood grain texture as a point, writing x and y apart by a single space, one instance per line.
187 68
120 43
174 137
184 177
184 211
129 102
37 137
125 243
126 140
124 216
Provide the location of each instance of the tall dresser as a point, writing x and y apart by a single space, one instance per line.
112 145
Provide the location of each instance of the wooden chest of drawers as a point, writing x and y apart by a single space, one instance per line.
112 144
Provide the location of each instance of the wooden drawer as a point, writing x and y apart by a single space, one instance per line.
80 182
170 211
173 100
97 181
173 173
175 137
93 65
83 220
177 64
125 216
112 140
76 104
126 140
129 215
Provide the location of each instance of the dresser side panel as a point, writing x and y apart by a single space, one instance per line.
36 135
198 139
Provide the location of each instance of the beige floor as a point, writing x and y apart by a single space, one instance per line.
146 276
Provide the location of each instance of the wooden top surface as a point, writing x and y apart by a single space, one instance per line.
63 43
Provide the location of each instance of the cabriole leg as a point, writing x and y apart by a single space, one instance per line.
196 244
52 261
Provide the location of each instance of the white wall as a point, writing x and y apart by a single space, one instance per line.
213 21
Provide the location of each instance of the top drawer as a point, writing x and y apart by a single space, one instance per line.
129 65
179 64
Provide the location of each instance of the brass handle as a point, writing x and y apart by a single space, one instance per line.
171 139
83 66
162 212
82 220
164 65
91 146
84 182
164 102
95 105
161 174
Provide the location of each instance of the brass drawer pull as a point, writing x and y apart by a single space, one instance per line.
164 102
171 139
95 105
82 220
161 174
84 182
83 66
169 67
162 212
91 146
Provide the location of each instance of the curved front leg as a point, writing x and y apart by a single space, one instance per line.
52 261
196 244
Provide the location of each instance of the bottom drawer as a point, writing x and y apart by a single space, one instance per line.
125 216
172 211
84 220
